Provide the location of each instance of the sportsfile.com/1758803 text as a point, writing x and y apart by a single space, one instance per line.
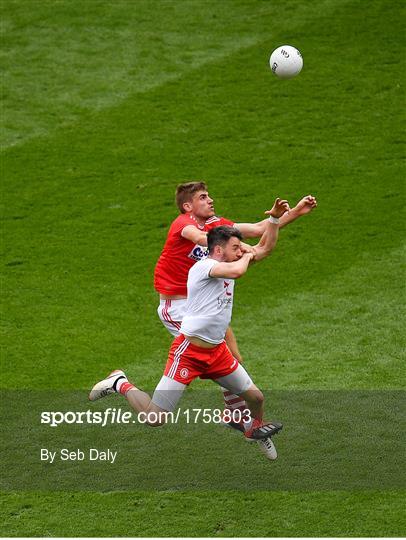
113 415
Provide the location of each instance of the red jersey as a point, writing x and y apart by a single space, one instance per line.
179 254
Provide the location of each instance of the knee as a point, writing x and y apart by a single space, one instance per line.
257 397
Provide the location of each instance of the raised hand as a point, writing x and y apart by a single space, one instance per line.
280 207
305 205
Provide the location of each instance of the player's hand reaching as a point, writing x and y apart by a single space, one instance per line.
305 205
280 207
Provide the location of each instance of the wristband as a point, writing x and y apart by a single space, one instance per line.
274 220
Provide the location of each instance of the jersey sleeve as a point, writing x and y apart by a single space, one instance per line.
208 265
181 222
225 221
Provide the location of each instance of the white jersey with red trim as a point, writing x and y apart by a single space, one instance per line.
209 303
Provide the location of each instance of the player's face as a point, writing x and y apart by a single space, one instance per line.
202 205
232 250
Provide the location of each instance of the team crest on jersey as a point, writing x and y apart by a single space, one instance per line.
225 302
226 286
198 253
184 373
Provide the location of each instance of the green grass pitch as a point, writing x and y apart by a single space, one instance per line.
107 106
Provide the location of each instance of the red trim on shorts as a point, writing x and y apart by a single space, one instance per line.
176 357
167 317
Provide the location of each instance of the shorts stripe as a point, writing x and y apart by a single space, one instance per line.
180 350
182 347
167 317
165 310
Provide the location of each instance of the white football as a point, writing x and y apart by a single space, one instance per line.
286 62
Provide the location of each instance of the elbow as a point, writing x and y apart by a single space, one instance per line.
264 252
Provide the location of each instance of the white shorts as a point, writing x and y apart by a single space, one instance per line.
171 313
168 392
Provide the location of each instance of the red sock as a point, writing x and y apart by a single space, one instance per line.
125 387
256 423
234 403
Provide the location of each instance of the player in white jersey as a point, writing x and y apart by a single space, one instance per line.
200 350
186 243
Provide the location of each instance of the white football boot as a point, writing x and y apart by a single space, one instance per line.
267 447
106 386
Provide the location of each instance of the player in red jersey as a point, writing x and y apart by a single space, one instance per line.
186 244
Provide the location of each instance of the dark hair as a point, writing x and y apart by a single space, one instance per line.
219 236
185 192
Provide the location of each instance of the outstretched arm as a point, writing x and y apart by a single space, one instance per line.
303 207
269 238
264 247
255 230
